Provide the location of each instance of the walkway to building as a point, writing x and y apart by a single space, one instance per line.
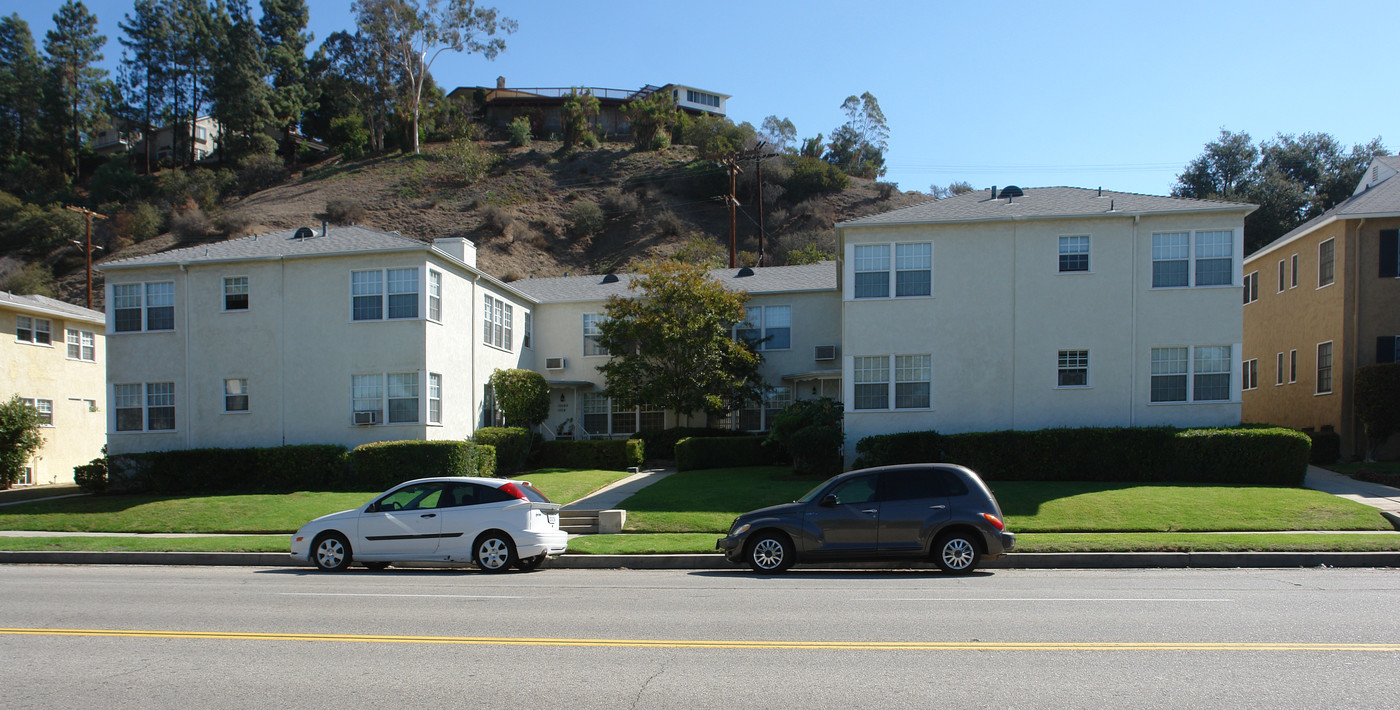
1385 498
612 495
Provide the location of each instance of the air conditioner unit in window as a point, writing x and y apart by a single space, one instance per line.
554 363
826 352
369 417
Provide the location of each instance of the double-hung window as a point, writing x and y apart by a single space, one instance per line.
434 295
913 269
591 336
1073 368
1250 379
1171 262
912 379
236 394
403 292
602 417
126 401
146 406
766 327
395 393
82 345
126 306
1282 275
1173 265
1292 366
872 264
235 293
497 322
1251 287
1196 374
434 398
367 395
1326 265
144 306
403 397
44 407
377 294
872 382
367 295
38 331
160 306
1324 367
527 338
1278 370
1074 254
1215 258
758 416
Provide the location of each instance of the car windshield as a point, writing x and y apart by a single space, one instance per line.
807 498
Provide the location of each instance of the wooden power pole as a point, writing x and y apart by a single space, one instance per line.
87 245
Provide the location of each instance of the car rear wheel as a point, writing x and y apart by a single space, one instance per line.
331 552
530 564
956 553
770 553
494 551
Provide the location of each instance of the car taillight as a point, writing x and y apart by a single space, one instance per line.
995 521
514 491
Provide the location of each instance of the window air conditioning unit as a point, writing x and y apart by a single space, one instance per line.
554 363
826 352
369 417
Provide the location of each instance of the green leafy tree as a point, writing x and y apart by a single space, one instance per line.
672 344
522 395
20 86
858 145
810 431
74 87
283 30
411 36
650 117
19 438
1221 171
350 80
779 133
578 109
240 94
1378 403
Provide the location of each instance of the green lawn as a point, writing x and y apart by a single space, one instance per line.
708 501
564 485
227 543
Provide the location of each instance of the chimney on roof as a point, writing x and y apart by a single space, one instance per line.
500 82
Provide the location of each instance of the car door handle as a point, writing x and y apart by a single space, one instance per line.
872 511
428 515
937 507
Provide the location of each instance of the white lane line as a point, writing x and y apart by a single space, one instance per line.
1036 599
429 596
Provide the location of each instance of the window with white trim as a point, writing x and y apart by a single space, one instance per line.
1324 368
235 293
160 406
367 295
143 306
148 406
1250 378
702 98
496 322
1073 368
1173 265
760 417
872 266
380 294
1292 366
1251 287
1294 282
913 269
367 394
403 292
766 327
236 394
1326 254
38 331
44 407
434 295
592 334
913 375
602 417
402 391
872 382
1282 275
1196 374
527 338
160 306
1074 254
82 344
434 398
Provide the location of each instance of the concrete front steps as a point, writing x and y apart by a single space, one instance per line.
592 522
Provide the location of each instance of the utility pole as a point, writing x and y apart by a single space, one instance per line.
87 246
758 175
732 163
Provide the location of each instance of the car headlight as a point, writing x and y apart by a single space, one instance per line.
739 529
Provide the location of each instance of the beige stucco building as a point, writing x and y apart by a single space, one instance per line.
54 360
1320 302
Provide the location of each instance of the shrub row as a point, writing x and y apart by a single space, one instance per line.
1254 456
512 446
661 443
285 468
605 454
699 452
1326 446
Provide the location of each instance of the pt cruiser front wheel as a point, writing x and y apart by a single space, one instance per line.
956 553
769 553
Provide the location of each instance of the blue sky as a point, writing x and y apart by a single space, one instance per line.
1113 94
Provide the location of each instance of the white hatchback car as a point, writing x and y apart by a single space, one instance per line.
492 522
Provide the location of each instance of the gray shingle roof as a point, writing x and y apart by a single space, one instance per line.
51 306
1041 203
1382 199
767 279
338 240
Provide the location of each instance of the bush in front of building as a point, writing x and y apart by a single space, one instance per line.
605 454
1240 455
267 469
1378 403
699 452
809 431
661 443
384 464
92 476
512 446
1326 446
304 467
484 460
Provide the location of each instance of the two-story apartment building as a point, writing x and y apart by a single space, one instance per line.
1320 302
54 361
1044 307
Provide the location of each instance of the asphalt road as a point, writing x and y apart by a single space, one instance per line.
205 637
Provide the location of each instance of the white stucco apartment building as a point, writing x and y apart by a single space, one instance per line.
1043 307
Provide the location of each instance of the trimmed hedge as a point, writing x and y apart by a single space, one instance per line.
387 463
1252 456
661 443
605 454
699 452
512 446
1326 446
276 468
484 460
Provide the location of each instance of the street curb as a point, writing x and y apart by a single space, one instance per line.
1026 560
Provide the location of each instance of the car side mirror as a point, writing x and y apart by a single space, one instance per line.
373 508
828 501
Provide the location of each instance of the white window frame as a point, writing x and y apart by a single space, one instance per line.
902 266
29 334
1331 244
1069 360
143 299
871 371
915 369
1331 366
435 295
384 293
591 333
498 323
1193 256
85 341
374 391
145 393
232 282
1293 282
1279 370
870 261
406 388
1251 287
527 338
653 418
1070 246
1191 372
757 319
239 389
45 409
434 398
1292 366
1282 276
775 400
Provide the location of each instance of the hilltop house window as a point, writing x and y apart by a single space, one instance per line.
1324 367
368 291
1073 368
702 98
497 322
912 378
1181 375
236 293
144 306
434 295
766 327
1074 254
591 335
1326 252
38 331
872 382
1251 287
236 394
1174 267
82 345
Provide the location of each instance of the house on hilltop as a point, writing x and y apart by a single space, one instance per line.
542 105
1320 302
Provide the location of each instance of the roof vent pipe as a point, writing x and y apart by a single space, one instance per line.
1110 205
994 192
1100 190
323 227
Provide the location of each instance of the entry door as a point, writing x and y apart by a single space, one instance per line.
851 524
406 523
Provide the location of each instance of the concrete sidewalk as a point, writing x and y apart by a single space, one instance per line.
1384 498
611 496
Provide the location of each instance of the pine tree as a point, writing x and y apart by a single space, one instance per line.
283 28
192 46
239 93
74 87
20 84
147 85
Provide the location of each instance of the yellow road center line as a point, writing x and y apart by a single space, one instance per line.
755 645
